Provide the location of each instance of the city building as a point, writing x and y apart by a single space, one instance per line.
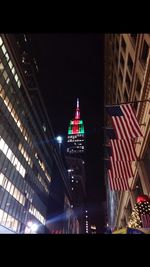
127 79
75 158
29 158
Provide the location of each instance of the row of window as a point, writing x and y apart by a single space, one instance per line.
2 46
11 189
25 155
14 115
43 167
75 136
11 156
36 214
8 221
42 182
77 140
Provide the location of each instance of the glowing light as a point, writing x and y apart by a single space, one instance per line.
59 139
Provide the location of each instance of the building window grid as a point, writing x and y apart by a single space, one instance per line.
21 127
8 221
9 114
6 55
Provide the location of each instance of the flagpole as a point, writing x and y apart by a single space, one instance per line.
130 102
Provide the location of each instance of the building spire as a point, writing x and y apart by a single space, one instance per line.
77 114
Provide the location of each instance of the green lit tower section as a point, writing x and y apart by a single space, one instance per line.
75 140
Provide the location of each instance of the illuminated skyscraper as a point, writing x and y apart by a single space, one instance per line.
75 140
76 165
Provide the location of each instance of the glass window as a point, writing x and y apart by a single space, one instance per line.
1 215
138 87
2 144
5 75
120 77
130 63
128 82
7 56
16 77
10 64
1 42
8 186
145 51
19 84
4 49
9 154
11 190
123 44
13 70
1 66
4 218
122 61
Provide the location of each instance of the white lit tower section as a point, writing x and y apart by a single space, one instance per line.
75 139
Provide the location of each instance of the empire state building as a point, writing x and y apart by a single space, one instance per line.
75 139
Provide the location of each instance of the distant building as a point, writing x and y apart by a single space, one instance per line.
76 165
127 78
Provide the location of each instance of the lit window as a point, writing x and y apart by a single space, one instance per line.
1 42
8 186
5 148
5 75
16 77
8 80
13 70
1 66
2 144
10 64
10 154
19 84
3 49
7 56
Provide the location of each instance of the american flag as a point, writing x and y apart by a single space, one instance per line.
124 121
121 169
117 184
123 150
145 218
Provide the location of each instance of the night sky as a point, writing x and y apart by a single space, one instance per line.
71 66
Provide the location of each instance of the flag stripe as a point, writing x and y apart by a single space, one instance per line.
117 184
128 120
123 150
121 169
127 108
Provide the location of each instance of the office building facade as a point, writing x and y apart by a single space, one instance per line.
127 79
26 155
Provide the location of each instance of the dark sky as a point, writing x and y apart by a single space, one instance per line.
71 66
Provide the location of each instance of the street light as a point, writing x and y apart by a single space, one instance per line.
59 140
